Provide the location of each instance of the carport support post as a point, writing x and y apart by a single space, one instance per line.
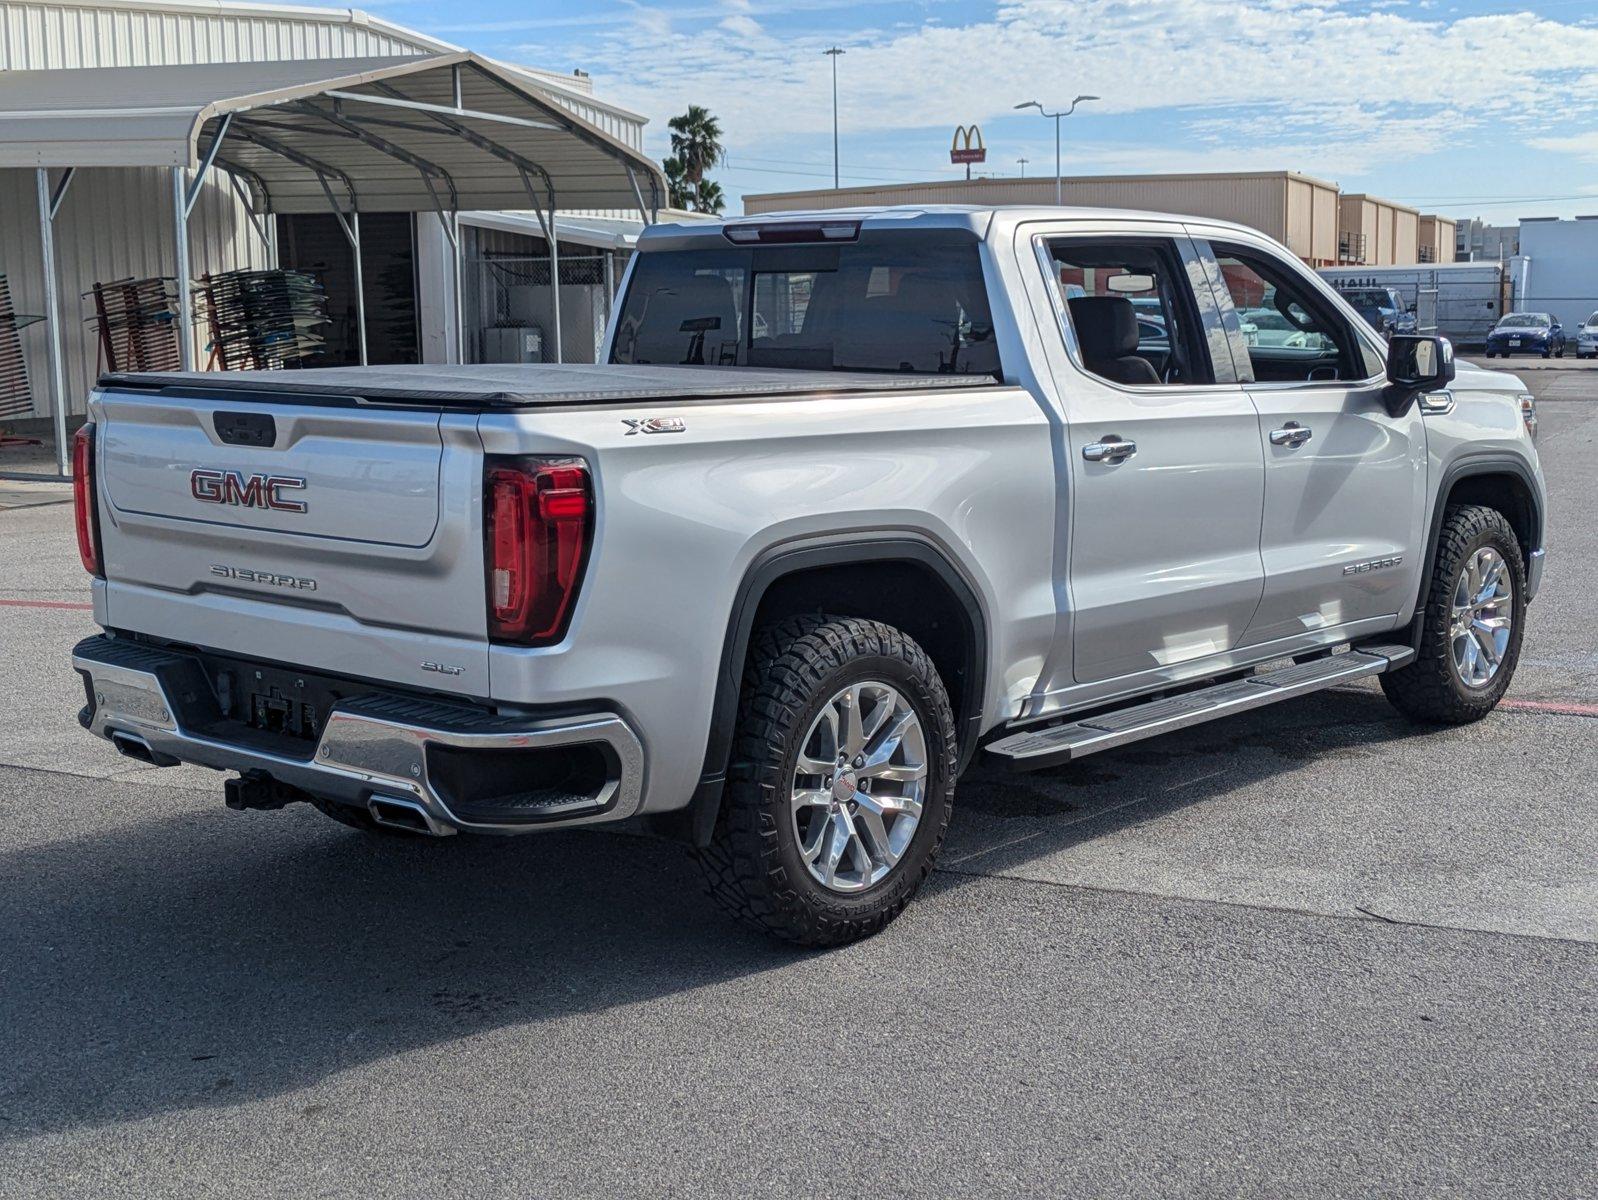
180 238
360 283
52 307
548 226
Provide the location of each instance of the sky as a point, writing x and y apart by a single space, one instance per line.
1468 109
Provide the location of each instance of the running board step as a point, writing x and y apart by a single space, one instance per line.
1038 749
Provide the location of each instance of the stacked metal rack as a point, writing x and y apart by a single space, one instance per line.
262 320
15 399
137 320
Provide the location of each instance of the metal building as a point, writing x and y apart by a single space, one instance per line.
1298 210
1388 231
115 223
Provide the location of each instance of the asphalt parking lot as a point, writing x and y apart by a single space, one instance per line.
1314 951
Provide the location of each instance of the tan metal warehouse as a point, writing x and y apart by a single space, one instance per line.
1437 238
1376 232
1298 210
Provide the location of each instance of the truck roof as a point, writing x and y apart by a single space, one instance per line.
980 219
538 385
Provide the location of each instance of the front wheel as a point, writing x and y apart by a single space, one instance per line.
841 785
1472 622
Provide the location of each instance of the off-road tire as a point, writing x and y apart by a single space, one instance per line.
753 866
1429 687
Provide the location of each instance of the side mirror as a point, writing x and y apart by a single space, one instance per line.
1415 364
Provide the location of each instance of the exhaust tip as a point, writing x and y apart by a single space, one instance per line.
394 812
131 745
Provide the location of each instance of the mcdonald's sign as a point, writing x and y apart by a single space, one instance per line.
967 146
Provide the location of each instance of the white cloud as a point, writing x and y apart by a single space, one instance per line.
1582 145
1318 84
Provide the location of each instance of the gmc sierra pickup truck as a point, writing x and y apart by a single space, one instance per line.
853 498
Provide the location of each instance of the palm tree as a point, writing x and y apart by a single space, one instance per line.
707 197
678 193
696 142
695 148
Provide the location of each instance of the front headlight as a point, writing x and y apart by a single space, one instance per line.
1528 413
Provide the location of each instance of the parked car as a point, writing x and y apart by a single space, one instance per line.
1587 338
775 607
1526 333
1383 309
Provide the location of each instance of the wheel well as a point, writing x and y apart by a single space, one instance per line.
1509 495
910 596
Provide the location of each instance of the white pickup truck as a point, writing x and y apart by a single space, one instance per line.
854 497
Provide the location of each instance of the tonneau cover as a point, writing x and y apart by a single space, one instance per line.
536 385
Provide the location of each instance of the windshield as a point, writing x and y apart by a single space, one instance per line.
890 301
1524 321
1592 321
1371 299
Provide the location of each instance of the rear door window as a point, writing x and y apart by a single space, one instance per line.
1131 310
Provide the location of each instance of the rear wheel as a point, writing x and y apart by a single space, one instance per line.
841 785
1472 623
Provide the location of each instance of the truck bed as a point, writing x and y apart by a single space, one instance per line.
527 386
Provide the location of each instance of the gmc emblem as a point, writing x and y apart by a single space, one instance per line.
246 491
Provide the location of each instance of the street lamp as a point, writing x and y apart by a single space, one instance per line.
1056 116
833 52
1023 162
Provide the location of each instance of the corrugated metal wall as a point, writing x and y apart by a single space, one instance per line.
1406 236
118 223
117 33
113 224
1312 219
37 35
1307 222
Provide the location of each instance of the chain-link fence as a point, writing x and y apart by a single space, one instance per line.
510 312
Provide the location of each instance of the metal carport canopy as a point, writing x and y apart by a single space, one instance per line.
377 129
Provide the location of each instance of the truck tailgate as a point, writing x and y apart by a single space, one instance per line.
328 535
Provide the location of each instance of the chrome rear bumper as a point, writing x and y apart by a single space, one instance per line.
376 747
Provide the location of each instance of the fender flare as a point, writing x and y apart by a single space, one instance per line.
827 551
1487 463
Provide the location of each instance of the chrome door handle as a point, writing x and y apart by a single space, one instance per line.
1112 450
1291 434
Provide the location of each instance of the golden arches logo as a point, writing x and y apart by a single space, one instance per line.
967 145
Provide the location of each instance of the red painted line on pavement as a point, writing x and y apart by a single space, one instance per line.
47 604
1564 708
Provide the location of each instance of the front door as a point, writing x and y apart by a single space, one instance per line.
1344 481
1164 464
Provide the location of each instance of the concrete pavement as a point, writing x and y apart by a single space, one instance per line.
1311 951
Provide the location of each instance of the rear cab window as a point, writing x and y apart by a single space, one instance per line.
900 301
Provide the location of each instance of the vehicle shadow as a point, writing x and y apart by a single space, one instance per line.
209 959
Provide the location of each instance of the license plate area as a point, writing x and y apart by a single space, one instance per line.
275 709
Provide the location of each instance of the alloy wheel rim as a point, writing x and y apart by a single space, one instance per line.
1481 619
858 786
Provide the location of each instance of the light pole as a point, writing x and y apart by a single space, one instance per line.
833 53
1056 115
1023 162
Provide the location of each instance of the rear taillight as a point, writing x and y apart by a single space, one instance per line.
540 520
86 516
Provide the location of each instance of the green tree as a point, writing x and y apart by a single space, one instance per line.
695 149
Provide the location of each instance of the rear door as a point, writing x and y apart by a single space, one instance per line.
331 535
1344 481
1162 457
